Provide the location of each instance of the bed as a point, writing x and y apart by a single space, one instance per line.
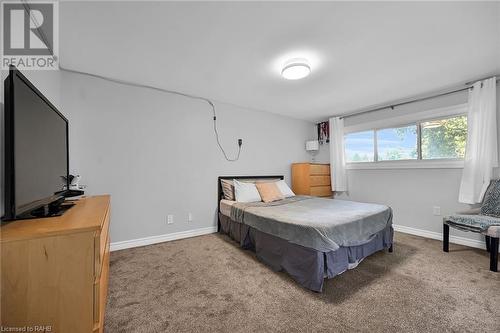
309 238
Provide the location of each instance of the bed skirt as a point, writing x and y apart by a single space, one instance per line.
306 266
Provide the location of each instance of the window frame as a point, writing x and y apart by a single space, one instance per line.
404 121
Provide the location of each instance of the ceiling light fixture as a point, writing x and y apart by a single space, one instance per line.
296 69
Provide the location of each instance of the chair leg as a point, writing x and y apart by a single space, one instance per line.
446 237
487 240
494 254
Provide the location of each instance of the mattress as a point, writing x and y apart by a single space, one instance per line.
225 207
317 223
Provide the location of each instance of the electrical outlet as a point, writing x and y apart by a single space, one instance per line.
436 210
190 217
170 219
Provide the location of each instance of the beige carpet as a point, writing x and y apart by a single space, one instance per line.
209 284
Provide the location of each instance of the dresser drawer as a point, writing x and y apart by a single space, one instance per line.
319 169
101 291
100 243
319 180
321 191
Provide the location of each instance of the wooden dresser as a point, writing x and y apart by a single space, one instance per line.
55 270
311 179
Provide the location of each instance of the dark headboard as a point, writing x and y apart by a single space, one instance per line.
220 194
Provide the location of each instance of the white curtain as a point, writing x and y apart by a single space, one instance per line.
337 159
481 154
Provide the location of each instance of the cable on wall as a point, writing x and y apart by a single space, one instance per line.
138 85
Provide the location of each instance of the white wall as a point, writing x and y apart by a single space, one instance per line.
412 193
156 154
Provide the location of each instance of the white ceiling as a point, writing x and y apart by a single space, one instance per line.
362 53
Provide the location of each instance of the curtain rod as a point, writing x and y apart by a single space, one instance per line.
417 99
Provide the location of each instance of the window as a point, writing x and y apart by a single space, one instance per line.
359 147
397 143
443 138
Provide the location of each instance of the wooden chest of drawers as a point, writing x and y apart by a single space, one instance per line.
311 179
55 270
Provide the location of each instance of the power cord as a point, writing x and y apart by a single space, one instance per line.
138 85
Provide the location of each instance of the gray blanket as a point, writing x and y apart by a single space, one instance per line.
317 223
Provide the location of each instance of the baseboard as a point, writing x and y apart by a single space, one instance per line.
161 238
439 236
209 230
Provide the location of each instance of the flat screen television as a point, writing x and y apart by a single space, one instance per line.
36 151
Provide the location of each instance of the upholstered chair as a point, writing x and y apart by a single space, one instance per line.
484 220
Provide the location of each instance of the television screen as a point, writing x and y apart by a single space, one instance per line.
39 149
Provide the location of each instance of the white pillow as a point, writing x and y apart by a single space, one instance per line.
246 192
284 189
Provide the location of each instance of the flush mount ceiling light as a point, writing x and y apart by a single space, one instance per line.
295 69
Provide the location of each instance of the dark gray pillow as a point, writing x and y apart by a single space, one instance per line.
491 202
227 189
